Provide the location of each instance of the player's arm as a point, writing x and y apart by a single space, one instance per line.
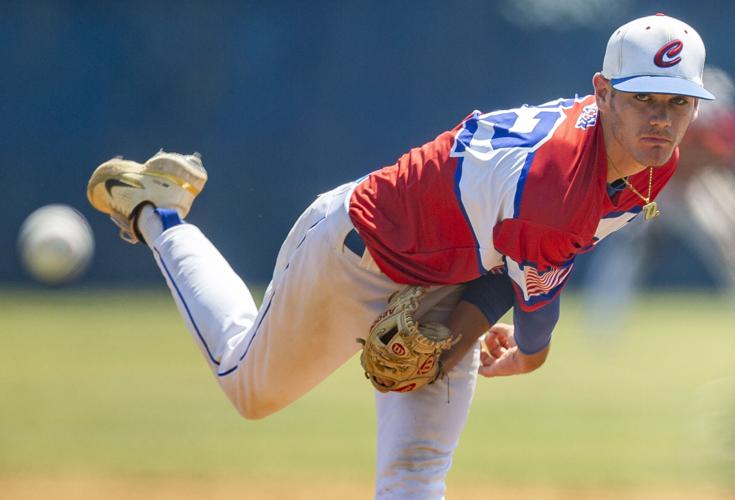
469 324
486 300
523 347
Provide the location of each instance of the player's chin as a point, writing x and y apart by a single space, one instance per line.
655 155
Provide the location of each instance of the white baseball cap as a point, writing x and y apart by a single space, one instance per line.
658 55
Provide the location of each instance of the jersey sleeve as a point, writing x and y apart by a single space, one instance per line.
539 259
493 295
532 330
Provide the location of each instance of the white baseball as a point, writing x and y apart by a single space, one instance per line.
56 244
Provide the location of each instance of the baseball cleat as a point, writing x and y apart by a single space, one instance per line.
120 187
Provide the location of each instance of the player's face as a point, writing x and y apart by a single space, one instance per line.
647 127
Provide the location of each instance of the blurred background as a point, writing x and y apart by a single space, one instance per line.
285 100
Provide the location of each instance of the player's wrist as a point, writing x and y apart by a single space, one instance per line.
530 362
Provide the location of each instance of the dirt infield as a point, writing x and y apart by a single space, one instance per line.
94 488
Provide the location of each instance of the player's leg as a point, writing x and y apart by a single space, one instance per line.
419 431
214 302
320 295
320 299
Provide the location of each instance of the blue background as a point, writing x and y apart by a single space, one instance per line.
283 99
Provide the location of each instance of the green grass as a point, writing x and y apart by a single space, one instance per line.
109 383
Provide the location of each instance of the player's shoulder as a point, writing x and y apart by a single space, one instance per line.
576 114
565 122
572 144
580 113
570 106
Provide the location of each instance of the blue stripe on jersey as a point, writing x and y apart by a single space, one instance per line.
307 231
521 183
504 135
186 308
465 135
458 194
634 210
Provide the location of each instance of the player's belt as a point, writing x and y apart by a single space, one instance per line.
354 242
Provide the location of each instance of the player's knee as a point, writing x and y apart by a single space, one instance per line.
256 408
252 398
250 411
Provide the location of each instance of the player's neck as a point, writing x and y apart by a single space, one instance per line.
620 163
618 167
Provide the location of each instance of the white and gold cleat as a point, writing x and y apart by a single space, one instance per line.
120 187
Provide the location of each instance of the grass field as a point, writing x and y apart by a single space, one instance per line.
105 396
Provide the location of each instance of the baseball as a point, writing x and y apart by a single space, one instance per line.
55 244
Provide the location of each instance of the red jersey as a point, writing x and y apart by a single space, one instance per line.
523 188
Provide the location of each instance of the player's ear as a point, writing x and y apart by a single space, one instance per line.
603 90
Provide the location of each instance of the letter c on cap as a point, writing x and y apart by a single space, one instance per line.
667 55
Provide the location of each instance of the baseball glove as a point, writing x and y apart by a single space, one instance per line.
399 354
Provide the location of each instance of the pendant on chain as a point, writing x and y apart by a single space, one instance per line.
651 211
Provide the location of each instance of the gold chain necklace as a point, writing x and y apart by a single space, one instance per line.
650 209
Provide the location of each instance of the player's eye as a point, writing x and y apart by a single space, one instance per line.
680 101
642 97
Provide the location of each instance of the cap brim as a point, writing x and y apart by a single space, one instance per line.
661 85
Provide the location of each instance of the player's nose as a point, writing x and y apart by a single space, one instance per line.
660 116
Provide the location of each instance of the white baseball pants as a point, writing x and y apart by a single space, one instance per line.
321 298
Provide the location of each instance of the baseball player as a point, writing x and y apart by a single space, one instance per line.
486 217
700 209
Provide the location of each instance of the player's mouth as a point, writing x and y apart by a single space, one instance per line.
655 140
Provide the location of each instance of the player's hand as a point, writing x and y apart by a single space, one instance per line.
497 353
501 356
499 339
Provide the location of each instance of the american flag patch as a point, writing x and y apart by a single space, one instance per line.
544 282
